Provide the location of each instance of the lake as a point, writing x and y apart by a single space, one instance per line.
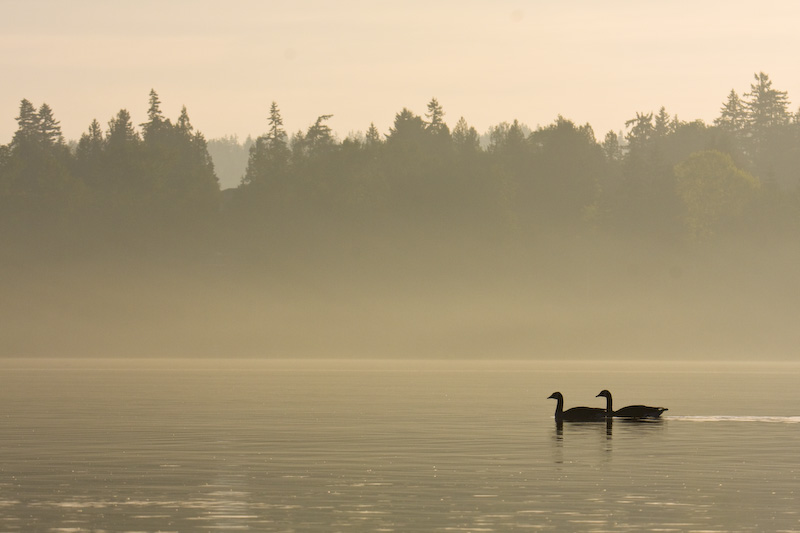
346 445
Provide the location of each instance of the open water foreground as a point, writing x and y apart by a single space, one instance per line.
345 445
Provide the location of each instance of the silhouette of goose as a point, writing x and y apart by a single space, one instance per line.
576 414
631 411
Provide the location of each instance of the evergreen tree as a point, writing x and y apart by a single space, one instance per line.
155 118
319 137
89 155
297 146
408 129
510 159
183 124
611 147
766 107
507 138
769 138
663 124
276 136
373 138
435 123
317 168
120 129
191 187
465 137
641 130
37 188
269 155
94 137
733 115
407 161
28 125
122 182
568 165
49 127
643 201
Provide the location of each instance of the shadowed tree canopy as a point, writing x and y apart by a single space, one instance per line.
569 166
435 115
733 114
714 192
269 155
28 126
766 107
466 138
49 127
555 180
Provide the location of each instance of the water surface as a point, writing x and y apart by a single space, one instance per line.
181 445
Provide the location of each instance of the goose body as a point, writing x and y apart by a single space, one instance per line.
576 414
631 411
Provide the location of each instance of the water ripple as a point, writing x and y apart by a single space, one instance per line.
726 418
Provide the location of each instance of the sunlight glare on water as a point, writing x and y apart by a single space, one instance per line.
181 445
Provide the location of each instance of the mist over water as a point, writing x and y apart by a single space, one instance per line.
599 300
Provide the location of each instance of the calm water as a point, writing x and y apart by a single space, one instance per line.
405 446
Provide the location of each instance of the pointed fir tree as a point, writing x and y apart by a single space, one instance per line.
733 114
156 122
611 147
122 158
38 178
89 155
641 130
663 124
319 137
269 155
28 126
183 124
373 137
95 134
91 142
408 130
767 112
120 129
49 127
276 137
465 137
766 107
507 138
435 123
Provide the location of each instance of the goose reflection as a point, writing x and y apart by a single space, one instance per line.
560 427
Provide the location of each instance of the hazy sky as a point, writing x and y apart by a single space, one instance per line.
363 61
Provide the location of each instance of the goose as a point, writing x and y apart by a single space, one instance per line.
576 414
631 411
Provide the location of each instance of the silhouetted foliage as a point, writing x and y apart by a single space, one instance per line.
662 179
116 186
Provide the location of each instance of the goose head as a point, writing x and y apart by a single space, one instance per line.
556 396
604 393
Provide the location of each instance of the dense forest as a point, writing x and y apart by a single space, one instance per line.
554 212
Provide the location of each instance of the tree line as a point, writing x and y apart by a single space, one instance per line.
662 178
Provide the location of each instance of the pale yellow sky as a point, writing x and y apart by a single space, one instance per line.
363 61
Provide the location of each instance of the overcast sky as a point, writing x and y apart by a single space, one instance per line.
363 61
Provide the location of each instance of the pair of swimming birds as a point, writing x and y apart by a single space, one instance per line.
590 414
